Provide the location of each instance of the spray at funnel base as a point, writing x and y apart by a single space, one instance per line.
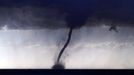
58 66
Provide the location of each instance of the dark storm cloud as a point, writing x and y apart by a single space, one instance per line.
55 13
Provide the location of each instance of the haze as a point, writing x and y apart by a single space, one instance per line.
90 48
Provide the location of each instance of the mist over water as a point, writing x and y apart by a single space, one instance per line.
90 47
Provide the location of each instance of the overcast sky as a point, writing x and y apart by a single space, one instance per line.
32 36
